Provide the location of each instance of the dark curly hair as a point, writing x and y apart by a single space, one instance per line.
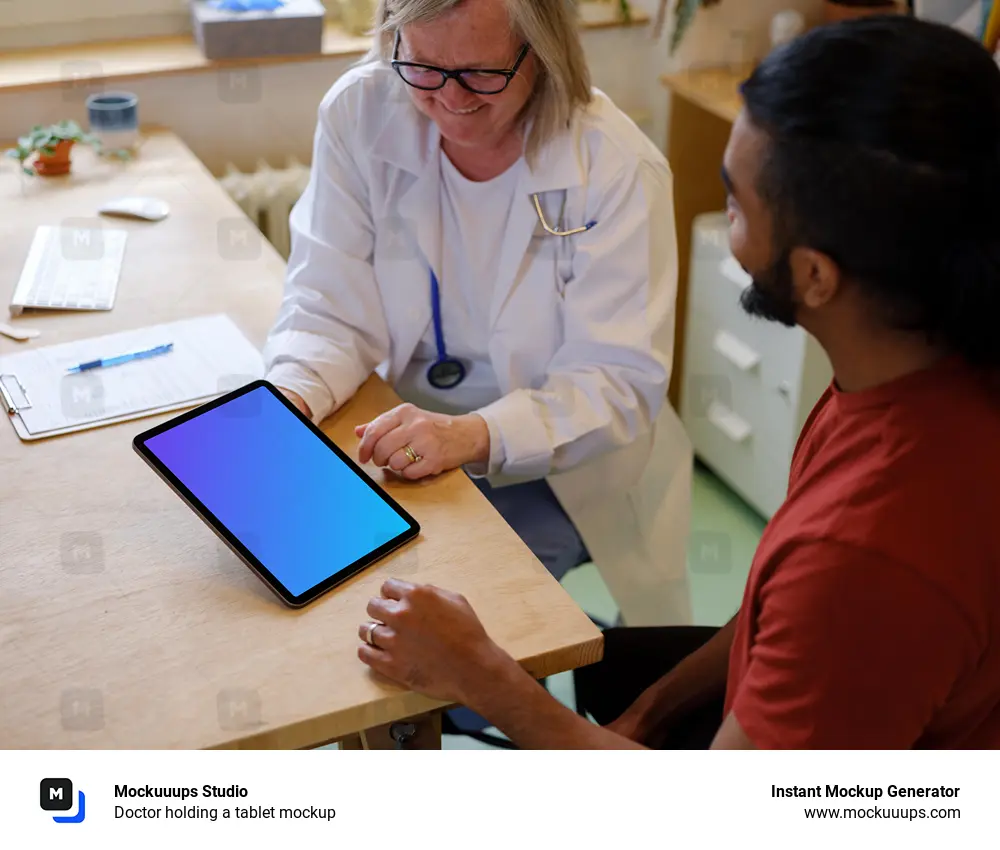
884 153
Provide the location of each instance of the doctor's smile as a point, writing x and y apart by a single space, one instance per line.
529 329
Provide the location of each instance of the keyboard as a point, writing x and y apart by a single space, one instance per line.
70 268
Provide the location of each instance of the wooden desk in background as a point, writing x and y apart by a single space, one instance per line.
123 622
704 105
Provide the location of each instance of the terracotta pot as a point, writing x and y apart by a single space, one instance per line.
57 163
840 12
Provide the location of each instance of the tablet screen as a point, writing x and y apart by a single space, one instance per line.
273 482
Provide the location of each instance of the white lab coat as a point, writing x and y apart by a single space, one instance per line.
582 327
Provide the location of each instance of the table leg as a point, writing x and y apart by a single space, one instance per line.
427 737
352 743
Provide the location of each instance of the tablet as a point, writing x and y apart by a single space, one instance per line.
283 497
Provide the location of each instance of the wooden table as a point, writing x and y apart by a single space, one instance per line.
704 105
123 622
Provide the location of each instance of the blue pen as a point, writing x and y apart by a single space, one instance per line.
123 358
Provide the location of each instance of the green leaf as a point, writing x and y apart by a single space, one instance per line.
684 13
44 139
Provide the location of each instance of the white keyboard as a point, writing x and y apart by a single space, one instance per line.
70 268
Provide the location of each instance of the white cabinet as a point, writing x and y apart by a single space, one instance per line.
748 384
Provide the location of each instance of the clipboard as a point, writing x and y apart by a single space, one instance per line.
43 399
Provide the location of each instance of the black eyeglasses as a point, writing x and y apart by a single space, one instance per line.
476 80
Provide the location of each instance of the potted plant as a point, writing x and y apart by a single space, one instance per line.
842 10
51 148
684 12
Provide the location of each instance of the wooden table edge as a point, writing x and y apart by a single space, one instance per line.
322 731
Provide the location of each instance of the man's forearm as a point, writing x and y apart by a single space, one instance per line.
527 714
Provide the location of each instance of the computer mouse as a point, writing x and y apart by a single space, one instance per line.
18 333
150 209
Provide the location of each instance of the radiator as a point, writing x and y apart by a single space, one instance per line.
267 196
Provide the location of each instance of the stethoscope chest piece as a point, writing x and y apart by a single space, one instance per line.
446 374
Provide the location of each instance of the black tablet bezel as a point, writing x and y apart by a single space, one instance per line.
244 554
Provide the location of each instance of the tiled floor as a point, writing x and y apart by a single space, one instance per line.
724 535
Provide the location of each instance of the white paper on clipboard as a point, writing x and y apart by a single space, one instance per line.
210 357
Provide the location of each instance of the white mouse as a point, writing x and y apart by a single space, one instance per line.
151 209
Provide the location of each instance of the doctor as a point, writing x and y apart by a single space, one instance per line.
494 237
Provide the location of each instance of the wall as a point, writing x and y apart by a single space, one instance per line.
269 113
41 23
736 32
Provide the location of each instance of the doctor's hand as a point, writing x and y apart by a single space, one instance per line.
430 641
440 442
297 400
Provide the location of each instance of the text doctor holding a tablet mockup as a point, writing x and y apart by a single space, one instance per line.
496 239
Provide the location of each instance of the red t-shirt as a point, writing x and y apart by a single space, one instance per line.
871 617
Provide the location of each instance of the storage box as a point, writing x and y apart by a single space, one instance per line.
295 28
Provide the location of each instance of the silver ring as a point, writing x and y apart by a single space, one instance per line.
370 637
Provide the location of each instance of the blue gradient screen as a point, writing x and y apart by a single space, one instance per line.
289 499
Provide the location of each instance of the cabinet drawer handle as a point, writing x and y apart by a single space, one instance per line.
735 427
734 272
737 352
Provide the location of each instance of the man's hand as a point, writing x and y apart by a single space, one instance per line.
297 400
431 642
442 442
632 725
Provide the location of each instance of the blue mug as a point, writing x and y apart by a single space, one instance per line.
114 119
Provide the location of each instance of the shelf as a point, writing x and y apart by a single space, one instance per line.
715 90
114 61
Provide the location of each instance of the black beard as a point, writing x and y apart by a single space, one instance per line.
771 296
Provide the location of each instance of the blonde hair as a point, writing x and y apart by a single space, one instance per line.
549 26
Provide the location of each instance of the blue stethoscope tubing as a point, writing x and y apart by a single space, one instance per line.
446 372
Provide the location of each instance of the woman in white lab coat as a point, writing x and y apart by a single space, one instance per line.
497 240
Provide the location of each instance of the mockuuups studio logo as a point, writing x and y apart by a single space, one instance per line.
239 239
398 242
56 795
82 552
240 85
80 79
710 552
705 393
239 709
82 395
81 239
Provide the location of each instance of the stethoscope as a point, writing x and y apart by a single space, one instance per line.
446 372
